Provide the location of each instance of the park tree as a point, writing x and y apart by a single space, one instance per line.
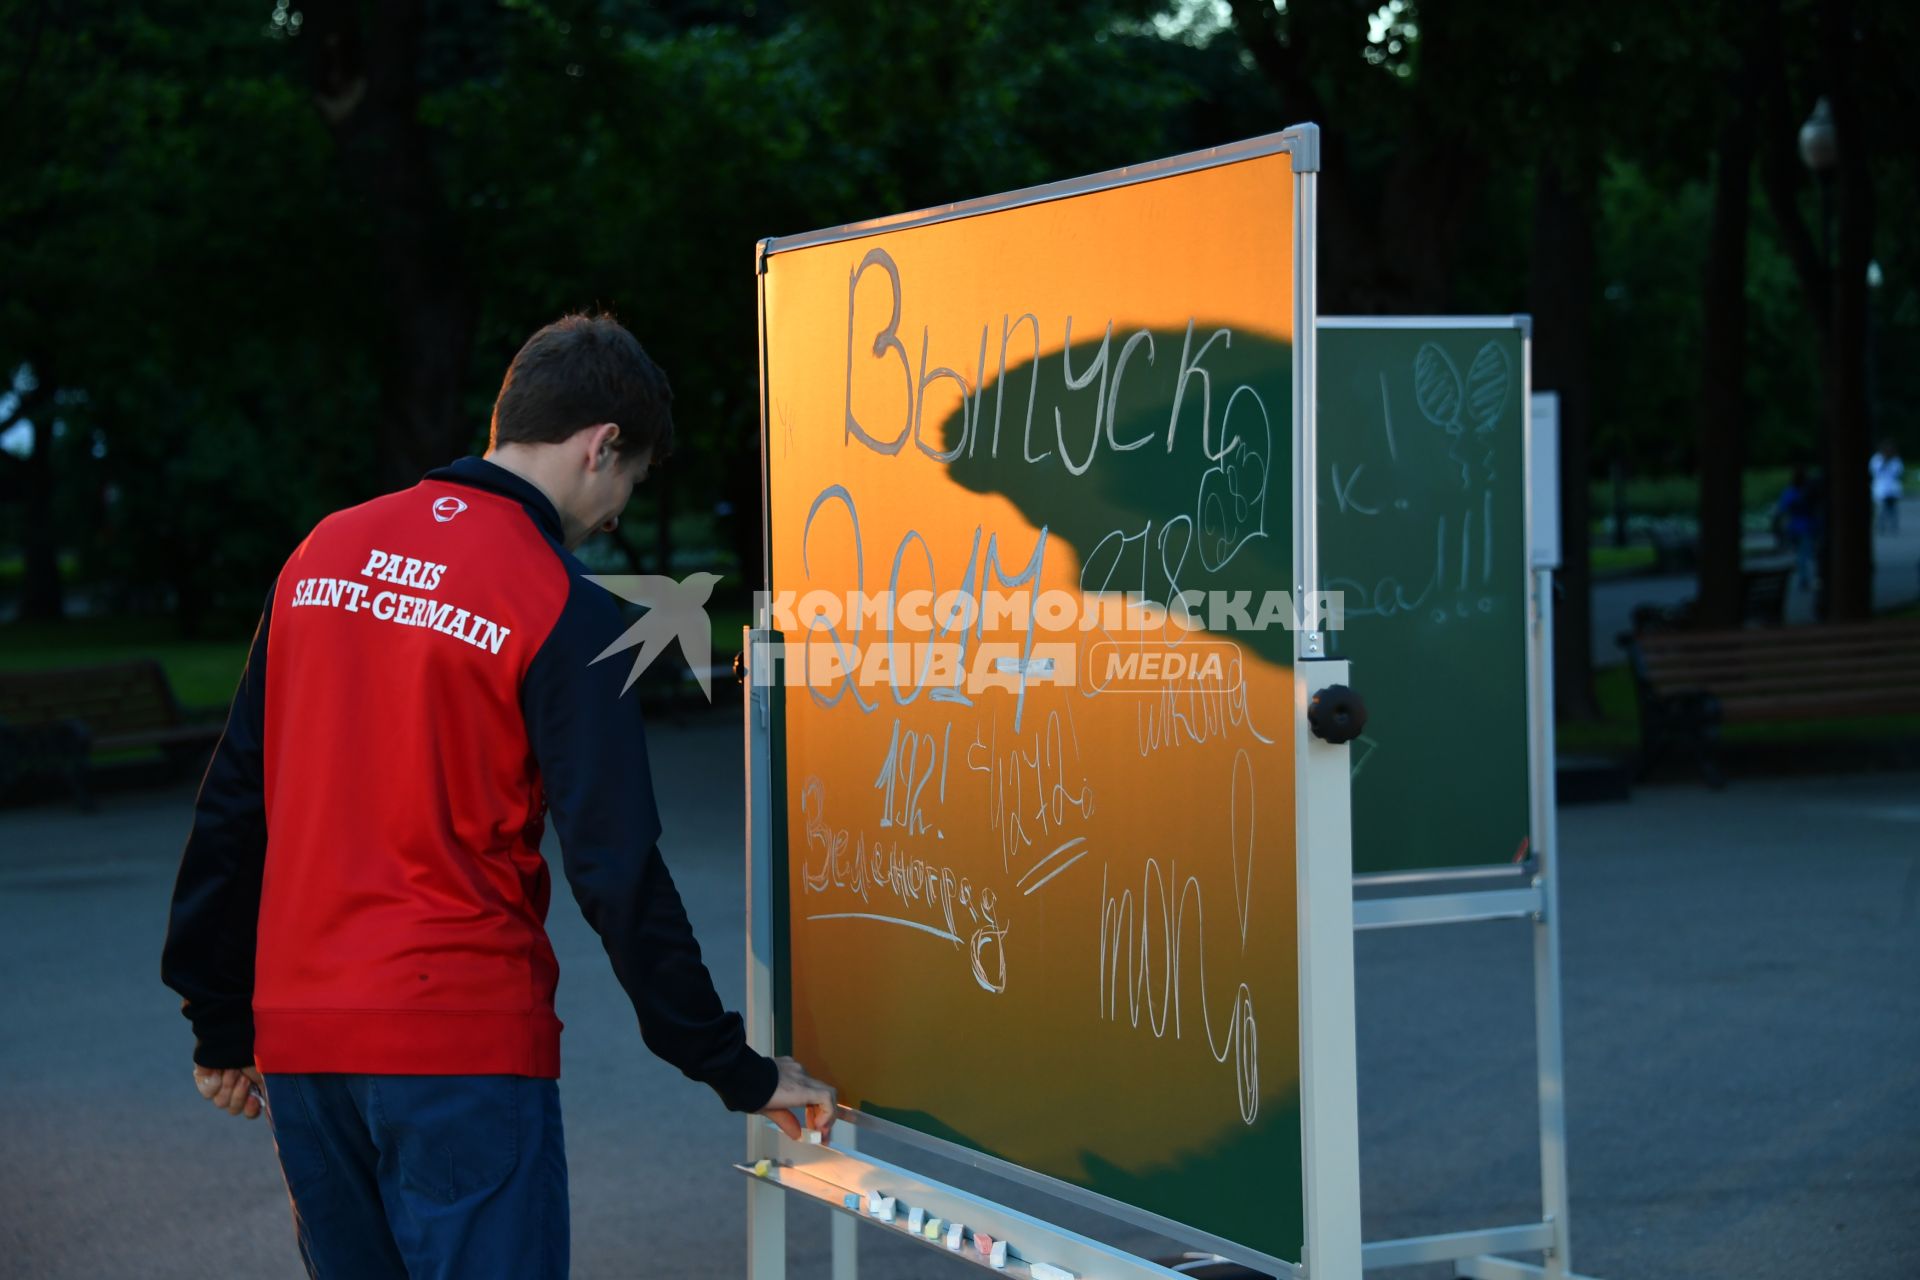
1422 111
262 258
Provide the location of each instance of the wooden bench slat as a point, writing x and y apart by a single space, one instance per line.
1855 673
1858 669
1652 647
1821 706
1775 637
1728 693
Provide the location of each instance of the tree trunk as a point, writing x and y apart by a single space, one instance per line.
1560 291
1721 443
1849 566
365 71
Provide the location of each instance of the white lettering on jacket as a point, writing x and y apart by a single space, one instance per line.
398 607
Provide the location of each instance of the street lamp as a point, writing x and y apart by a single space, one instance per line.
1820 151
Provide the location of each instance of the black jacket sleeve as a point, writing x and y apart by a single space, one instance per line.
591 748
215 917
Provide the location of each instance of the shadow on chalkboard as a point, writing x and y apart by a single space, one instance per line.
1245 1185
1162 457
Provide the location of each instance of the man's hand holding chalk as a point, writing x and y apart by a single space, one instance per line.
797 1089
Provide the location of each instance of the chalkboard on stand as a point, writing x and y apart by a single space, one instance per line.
1423 495
1039 863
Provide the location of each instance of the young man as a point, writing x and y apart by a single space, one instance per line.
358 925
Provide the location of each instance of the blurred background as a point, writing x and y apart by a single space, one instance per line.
260 259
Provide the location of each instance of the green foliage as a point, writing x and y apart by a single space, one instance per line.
197 282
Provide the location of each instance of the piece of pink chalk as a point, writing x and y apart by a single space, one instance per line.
984 1243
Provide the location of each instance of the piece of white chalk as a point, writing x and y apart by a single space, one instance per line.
1047 1271
813 1137
916 1219
999 1255
955 1232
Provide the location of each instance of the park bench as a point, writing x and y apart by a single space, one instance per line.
51 722
1691 682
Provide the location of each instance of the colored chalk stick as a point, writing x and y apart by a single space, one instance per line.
762 1167
983 1242
934 1228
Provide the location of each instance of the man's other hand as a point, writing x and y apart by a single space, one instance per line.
233 1089
797 1089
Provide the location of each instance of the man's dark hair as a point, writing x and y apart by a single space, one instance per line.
579 371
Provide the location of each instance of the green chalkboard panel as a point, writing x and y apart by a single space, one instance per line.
1421 488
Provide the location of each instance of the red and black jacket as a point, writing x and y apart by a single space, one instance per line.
363 889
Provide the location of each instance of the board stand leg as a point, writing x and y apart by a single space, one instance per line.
846 1230
766 1206
1328 1095
1546 945
766 1229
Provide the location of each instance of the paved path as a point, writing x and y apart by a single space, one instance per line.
1896 584
1743 1022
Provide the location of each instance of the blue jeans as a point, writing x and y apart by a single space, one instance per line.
423 1177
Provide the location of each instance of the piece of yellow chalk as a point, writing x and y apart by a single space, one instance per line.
762 1167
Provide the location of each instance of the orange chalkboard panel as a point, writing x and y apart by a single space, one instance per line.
1039 830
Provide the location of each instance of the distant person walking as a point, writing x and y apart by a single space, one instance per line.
1886 475
1799 514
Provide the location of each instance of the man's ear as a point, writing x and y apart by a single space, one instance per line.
600 442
